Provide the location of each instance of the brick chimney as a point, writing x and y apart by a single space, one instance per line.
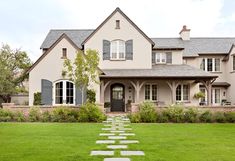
185 33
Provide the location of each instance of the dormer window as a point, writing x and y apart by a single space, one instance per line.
64 53
210 64
117 24
117 50
160 58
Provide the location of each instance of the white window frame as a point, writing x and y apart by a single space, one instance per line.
64 93
182 93
213 93
151 92
118 50
161 56
213 64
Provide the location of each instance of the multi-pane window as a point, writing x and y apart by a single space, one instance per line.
160 58
234 63
182 92
216 96
118 49
210 64
151 92
64 92
59 93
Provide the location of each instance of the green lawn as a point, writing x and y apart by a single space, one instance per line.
73 142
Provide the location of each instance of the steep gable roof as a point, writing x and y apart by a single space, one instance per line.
63 36
77 36
127 18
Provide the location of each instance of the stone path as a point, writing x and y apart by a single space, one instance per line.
117 130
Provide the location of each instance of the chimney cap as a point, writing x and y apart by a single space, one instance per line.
184 29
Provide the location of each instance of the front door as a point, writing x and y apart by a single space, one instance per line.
117 97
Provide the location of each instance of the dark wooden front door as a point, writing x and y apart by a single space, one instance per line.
117 97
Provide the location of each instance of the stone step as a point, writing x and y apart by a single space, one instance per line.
117 159
116 146
107 129
105 142
126 129
109 153
128 141
128 153
107 134
127 134
117 131
116 137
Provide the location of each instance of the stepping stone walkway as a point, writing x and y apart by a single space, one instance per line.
116 139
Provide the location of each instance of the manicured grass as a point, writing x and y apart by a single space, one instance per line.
74 141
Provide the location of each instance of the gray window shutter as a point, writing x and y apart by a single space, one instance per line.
169 57
78 95
106 50
129 50
153 57
46 90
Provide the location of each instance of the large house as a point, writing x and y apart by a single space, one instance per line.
136 67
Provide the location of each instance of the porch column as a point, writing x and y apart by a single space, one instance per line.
137 87
173 85
208 85
103 86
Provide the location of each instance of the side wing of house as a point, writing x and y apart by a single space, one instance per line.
45 75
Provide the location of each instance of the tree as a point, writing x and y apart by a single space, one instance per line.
83 70
13 67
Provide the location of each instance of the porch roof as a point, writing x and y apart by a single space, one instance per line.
159 71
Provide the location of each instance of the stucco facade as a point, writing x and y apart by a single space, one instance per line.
164 71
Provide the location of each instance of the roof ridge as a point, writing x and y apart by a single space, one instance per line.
72 29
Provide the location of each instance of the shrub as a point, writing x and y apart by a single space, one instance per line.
64 114
206 116
147 112
135 118
219 117
162 116
91 96
46 116
37 98
34 114
19 116
175 113
6 115
191 115
230 117
90 112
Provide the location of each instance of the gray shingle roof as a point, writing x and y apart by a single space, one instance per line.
77 36
191 47
158 71
197 45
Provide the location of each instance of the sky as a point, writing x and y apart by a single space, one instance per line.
24 24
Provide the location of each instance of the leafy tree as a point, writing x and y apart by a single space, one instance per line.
83 70
13 67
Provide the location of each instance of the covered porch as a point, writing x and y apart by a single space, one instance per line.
161 87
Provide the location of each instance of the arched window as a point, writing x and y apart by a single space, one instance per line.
64 92
117 50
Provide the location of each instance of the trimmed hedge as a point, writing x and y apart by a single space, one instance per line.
89 112
179 114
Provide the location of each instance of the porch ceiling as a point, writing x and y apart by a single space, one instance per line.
160 72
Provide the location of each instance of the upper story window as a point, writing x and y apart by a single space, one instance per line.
233 62
117 24
64 53
160 58
151 92
210 64
117 50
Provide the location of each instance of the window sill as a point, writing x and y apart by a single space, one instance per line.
160 63
63 57
117 59
232 71
219 72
